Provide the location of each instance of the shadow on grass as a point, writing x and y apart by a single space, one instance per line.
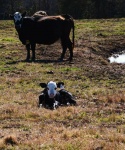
37 61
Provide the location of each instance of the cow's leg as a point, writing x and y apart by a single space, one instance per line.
56 105
41 102
28 52
72 102
70 47
64 47
33 46
63 53
66 43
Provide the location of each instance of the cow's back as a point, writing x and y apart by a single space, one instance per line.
45 30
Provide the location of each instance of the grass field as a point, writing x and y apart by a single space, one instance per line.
96 123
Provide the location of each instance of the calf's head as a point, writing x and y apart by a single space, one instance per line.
18 18
51 88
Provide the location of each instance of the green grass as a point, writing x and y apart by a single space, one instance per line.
98 120
105 27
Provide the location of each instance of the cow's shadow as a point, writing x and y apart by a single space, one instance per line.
37 61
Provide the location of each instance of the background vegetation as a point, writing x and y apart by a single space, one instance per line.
77 8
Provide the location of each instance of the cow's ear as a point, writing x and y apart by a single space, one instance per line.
11 16
43 85
24 14
60 84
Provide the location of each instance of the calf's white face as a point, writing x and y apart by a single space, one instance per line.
51 87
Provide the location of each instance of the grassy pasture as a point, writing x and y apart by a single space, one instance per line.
97 123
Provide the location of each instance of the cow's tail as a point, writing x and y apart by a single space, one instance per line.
71 20
73 29
73 35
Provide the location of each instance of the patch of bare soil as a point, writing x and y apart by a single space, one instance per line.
91 56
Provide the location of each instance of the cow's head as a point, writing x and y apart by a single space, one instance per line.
18 18
51 87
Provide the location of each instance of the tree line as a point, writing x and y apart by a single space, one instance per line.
79 9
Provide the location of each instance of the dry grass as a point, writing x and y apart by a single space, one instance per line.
96 123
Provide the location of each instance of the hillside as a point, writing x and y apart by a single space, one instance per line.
96 123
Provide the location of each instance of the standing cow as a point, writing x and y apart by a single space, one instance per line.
45 30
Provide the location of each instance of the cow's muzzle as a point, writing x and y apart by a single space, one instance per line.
51 96
18 24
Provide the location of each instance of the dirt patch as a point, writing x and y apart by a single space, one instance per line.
91 56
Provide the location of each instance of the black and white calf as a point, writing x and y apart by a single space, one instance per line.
49 97
52 98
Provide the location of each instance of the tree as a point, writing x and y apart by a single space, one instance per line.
77 8
73 7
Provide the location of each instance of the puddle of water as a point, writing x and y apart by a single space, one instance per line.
118 58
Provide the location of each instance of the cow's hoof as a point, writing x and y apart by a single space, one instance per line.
68 104
40 105
60 60
55 107
33 59
27 60
70 59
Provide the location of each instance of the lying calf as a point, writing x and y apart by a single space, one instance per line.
51 98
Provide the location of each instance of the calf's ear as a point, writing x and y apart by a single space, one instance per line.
60 84
43 85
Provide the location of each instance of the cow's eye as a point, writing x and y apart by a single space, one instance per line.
47 88
55 88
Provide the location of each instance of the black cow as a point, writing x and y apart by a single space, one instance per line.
51 98
44 30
